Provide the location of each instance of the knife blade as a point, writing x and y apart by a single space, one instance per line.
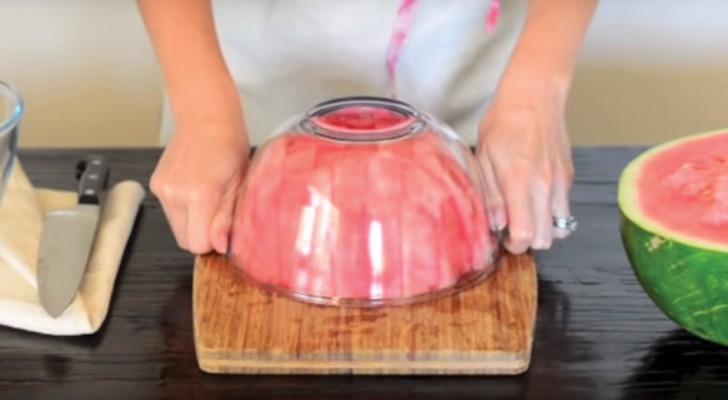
67 238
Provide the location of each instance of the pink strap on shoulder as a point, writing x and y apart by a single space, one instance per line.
403 25
493 14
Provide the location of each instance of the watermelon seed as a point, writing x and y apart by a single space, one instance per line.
655 243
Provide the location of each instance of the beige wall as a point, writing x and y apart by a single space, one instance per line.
86 70
650 70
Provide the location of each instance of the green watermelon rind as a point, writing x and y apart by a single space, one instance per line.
689 284
686 278
627 194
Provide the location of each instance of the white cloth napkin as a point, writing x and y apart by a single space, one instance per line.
21 217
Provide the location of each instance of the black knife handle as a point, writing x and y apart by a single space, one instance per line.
93 177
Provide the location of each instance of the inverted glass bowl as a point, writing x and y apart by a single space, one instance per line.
363 202
11 112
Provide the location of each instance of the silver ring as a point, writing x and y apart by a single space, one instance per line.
568 223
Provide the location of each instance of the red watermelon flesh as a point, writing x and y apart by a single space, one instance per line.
486 249
689 197
243 218
352 272
479 228
455 252
364 119
365 221
294 216
262 187
466 198
393 159
428 188
383 214
320 188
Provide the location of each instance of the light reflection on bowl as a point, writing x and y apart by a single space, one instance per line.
11 112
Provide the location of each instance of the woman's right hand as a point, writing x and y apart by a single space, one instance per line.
197 181
198 176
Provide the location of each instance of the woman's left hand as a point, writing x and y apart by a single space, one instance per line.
525 154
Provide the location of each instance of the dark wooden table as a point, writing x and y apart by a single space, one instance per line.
598 336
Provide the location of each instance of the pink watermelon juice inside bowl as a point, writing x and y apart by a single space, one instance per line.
363 202
674 204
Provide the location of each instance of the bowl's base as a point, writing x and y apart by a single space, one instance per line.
486 329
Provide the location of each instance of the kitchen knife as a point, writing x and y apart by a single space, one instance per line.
68 236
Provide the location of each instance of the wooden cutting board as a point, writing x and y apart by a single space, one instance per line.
484 330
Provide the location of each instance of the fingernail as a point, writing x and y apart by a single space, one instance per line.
222 243
225 238
499 215
541 245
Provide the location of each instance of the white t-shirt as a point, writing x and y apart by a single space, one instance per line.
289 55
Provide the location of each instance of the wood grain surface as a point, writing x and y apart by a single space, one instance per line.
486 329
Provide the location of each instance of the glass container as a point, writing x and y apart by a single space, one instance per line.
11 112
363 202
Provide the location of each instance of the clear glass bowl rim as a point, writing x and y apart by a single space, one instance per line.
13 119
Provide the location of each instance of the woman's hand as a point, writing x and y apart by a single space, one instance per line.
523 145
198 176
526 156
197 181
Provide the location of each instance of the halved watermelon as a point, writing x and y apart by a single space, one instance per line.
384 219
381 221
673 200
351 274
259 254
